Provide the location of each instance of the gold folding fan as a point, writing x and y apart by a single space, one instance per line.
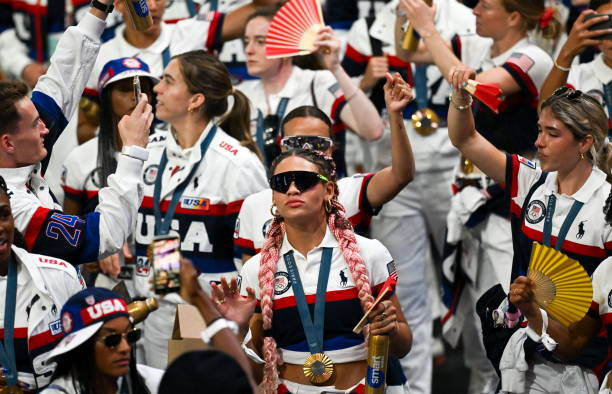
562 286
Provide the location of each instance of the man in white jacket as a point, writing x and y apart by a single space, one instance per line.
31 127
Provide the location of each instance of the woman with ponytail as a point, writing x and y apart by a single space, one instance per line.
311 244
194 180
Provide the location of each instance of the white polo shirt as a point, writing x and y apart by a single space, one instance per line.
589 239
327 93
591 77
255 218
342 309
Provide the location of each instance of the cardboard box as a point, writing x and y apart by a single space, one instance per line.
188 324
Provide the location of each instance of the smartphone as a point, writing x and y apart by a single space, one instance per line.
165 257
600 26
137 89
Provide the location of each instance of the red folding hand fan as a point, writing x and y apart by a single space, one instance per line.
294 29
488 93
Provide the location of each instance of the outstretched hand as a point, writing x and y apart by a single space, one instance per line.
231 304
397 93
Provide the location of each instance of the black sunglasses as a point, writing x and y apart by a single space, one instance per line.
313 142
567 92
113 340
304 180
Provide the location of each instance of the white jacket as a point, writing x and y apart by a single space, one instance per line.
37 216
64 385
54 281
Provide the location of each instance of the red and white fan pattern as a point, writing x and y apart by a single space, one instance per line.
294 29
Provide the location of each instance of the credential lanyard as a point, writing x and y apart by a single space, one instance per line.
312 330
162 225
567 223
7 349
280 112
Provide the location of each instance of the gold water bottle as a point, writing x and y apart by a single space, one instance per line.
378 356
139 310
139 14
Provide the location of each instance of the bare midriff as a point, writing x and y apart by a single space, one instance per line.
346 375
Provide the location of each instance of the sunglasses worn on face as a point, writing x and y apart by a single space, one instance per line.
113 340
568 93
304 180
317 143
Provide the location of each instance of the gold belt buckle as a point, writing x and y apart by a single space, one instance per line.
425 121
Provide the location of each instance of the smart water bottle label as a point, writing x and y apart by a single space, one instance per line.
376 375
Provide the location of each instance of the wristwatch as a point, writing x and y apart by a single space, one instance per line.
102 7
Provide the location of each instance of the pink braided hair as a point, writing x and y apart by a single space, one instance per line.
270 254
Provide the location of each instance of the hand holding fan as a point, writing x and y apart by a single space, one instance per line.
488 93
562 286
385 292
294 29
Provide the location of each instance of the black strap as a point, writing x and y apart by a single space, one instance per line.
375 43
312 92
377 95
102 7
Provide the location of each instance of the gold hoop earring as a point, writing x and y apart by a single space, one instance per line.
274 211
328 206
581 156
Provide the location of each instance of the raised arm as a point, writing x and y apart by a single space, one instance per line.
81 239
224 340
422 18
57 93
580 37
359 114
462 131
386 183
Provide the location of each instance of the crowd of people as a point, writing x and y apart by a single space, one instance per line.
298 188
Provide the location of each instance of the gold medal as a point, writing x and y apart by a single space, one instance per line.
318 368
425 121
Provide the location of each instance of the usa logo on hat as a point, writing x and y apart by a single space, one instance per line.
131 62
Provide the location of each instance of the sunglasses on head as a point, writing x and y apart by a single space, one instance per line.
567 92
304 180
312 142
113 340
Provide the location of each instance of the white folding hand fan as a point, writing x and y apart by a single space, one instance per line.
562 286
294 29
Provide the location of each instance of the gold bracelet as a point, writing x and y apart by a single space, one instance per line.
461 107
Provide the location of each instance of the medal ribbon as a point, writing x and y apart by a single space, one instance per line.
7 350
162 225
567 223
312 330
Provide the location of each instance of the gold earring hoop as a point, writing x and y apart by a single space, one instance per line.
581 156
274 211
328 206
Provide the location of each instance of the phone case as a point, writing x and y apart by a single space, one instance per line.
600 26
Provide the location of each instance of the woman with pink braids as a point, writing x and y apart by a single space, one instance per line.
313 280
